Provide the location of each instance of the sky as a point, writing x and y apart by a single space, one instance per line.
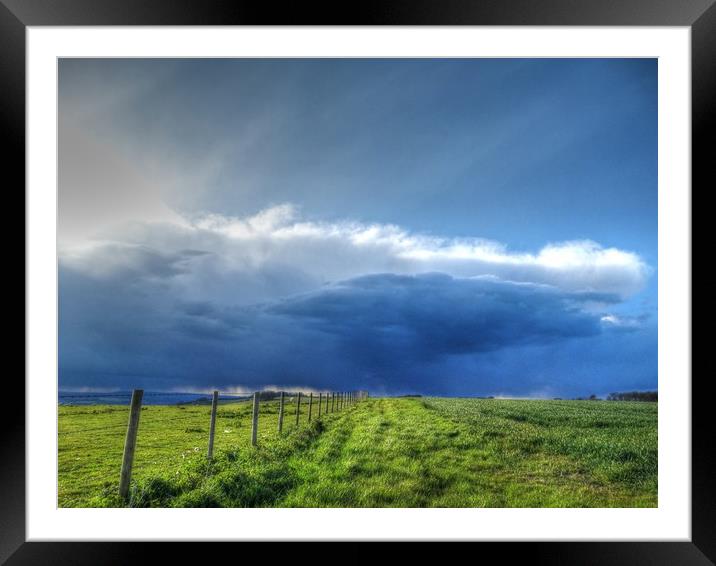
466 227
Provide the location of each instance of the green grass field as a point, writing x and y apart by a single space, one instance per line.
382 452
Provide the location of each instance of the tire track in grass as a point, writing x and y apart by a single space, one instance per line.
328 466
399 453
375 458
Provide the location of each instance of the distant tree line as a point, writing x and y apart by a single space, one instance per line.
652 396
269 395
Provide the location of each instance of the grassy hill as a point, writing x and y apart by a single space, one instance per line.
380 452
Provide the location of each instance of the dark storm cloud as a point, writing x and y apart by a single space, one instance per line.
381 331
435 315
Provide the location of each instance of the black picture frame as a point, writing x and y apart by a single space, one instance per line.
699 15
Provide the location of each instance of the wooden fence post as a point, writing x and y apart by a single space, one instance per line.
333 402
326 403
298 408
320 402
255 419
280 414
130 442
310 406
212 423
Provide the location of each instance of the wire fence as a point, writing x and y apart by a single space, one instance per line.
281 407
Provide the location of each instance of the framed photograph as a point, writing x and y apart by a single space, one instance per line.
420 274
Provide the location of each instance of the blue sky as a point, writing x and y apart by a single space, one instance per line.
446 226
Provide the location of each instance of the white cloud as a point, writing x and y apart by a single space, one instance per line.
627 323
276 253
